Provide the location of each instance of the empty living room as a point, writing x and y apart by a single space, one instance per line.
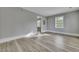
39 29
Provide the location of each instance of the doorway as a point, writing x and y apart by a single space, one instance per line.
39 24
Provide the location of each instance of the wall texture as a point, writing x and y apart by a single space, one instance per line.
71 23
16 22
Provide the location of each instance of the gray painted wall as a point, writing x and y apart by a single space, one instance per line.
71 23
16 21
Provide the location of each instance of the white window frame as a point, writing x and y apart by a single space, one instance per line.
58 21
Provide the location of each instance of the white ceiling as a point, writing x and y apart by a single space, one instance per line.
48 11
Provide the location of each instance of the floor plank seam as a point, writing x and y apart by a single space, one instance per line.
45 46
18 46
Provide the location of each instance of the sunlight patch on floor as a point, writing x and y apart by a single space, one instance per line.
35 35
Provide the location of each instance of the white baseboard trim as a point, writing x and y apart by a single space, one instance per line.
10 38
70 34
17 37
3 40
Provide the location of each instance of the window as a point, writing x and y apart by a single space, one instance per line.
59 22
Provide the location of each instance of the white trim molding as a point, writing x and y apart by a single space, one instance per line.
69 34
29 35
22 36
10 38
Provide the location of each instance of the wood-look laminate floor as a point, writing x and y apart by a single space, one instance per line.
42 43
